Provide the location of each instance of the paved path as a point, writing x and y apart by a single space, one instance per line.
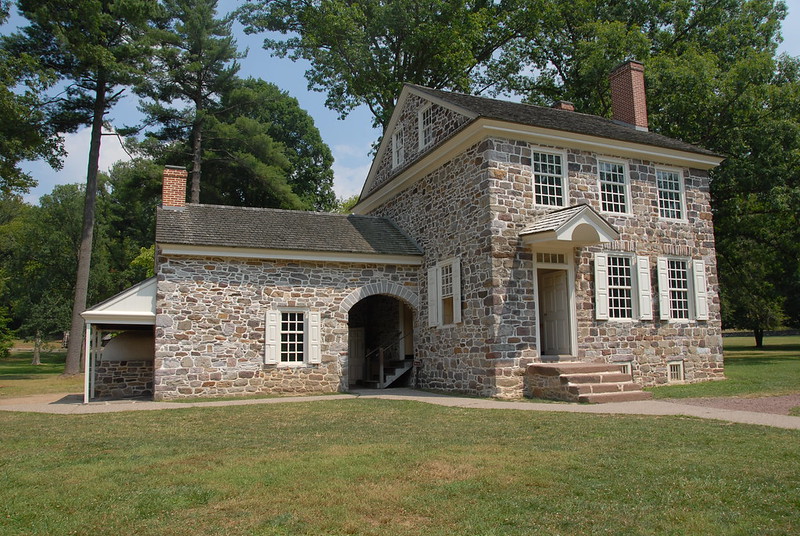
72 405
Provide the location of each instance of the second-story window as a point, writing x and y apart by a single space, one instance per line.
613 187
548 179
426 127
670 194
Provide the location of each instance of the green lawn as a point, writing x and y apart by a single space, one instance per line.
378 467
773 370
19 378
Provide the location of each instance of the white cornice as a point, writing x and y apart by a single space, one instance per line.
287 254
487 128
110 317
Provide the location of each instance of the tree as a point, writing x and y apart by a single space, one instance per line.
310 160
25 133
362 51
98 46
195 62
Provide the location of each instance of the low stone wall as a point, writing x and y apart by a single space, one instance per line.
123 379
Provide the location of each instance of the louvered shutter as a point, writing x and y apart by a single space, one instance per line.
271 337
663 288
456 290
700 289
314 337
601 286
433 296
644 290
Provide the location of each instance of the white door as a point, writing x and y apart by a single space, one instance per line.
554 308
355 355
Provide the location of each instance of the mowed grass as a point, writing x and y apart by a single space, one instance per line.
771 371
19 378
379 467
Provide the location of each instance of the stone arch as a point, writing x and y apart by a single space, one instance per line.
380 287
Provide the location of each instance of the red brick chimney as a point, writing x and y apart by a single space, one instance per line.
564 105
173 188
627 95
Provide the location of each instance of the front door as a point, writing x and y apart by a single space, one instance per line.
554 308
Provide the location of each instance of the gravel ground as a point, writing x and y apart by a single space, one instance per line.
779 405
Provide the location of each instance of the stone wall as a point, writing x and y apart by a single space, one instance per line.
652 343
211 315
445 123
123 379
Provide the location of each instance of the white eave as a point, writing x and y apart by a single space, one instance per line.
288 254
484 128
135 305
572 227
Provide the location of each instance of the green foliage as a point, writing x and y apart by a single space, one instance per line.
345 205
362 51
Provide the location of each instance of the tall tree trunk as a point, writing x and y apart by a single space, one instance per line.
37 349
758 333
75 346
197 154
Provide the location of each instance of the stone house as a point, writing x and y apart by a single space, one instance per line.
497 249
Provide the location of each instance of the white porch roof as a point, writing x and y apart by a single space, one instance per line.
135 305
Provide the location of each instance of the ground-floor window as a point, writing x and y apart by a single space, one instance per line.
292 337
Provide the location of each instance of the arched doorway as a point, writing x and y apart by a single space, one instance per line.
381 343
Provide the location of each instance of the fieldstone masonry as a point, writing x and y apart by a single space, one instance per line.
211 315
123 379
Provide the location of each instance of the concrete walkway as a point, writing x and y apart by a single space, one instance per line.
72 405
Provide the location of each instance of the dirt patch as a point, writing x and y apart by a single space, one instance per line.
778 405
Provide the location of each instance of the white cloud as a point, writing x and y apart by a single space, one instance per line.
347 180
75 164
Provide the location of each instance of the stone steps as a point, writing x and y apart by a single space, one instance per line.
594 383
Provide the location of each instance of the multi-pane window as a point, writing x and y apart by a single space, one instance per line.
613 195
678 286
426 127
670 194
446 275
398 148
620 287
548 179
551 258
292 337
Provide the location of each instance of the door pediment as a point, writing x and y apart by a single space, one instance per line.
575 226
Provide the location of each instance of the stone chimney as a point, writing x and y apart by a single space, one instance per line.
627 95
173 188
564 105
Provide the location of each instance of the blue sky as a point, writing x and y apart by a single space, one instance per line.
349 139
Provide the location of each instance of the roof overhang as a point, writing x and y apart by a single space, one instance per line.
483 128
582 226
288 254
133 306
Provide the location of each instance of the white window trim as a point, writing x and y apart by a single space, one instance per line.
698 289
626 186
312 337
680 363
398 148
420 133
682 187
564 176
435 316
641 289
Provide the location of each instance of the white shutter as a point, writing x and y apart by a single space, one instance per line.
644 290
601 286
433 296
663 288
314 327
456 290
700 289
271 336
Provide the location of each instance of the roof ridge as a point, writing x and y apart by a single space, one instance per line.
281 210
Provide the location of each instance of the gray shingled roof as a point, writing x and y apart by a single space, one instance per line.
540 116
215 225
552 221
